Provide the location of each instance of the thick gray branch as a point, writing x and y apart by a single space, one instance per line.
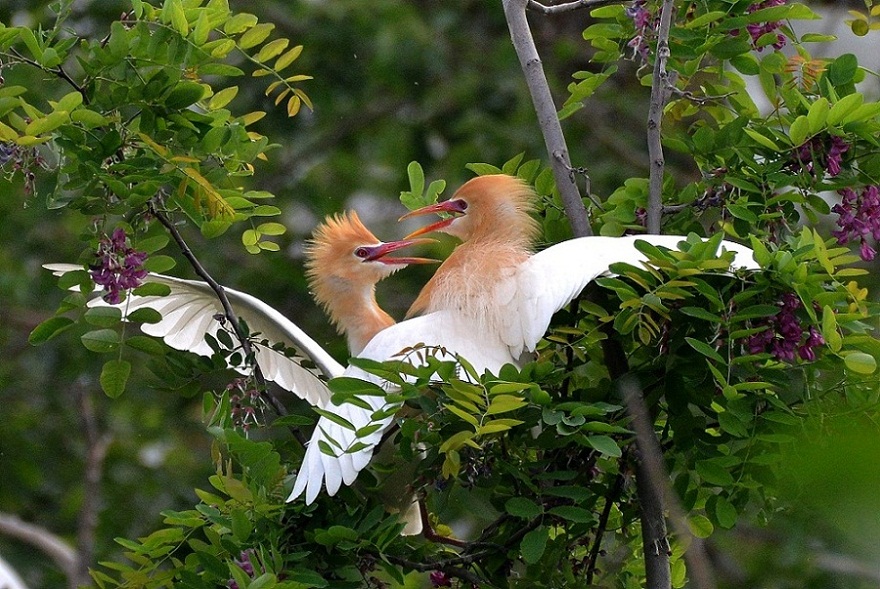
524 44
97 444
53 546
659 96
656 497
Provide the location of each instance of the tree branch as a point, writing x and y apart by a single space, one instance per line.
655 497
530 61
659 97
53 546
569 6
96 451
228 311
614 493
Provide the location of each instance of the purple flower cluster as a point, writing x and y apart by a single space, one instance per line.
244 402
245 564
783 334
14 158
826 152
757 30
859 218
119 267
644 23
440 579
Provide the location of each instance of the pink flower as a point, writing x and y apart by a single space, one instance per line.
119 266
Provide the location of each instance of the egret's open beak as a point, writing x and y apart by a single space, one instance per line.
453 207
379 253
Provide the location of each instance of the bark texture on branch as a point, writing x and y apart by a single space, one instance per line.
659 97
530 61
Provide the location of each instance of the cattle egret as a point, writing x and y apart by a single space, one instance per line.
490 302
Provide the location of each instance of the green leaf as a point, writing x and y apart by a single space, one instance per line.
152 289
701 313
101 340
264 581
829 329
103 316
256 35
159 264
522 507
799 131
271 228
842 70
533 544
241 525
700 526
761 139
49 329
239 23
337 419
705 349
714 474
184 95
308 578
605 445
145 344
288 58
578 515
860 362
416 178
114 376
843 107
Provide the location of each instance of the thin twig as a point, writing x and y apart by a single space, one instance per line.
569 6
423 567
59 71
228 311
651 474
530 61
659 97
97 444
701 100
614 493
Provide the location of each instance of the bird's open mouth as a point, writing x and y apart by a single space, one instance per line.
453 207
380 253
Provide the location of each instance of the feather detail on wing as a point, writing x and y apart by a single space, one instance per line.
444 329
190 311
550 279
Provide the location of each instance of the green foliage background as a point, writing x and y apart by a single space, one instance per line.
394 82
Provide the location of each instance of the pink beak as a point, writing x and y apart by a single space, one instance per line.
454 207
378 253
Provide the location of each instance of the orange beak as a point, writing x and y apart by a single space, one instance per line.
379 253
454 207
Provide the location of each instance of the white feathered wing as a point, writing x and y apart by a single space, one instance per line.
190 311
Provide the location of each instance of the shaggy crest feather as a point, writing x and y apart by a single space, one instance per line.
343 285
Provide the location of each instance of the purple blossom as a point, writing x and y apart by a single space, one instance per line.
246 406
644 23
758 30
440 579
783 334
859 219
825 152
244 563
119 266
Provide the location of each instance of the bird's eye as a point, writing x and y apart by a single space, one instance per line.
462 205
362 252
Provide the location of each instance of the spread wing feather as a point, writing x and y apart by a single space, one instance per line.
550 279
190 310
